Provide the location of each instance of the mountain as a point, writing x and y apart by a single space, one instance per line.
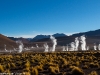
39 37
91 38
59 35
88 33
24 40
62 39
6 41
36 38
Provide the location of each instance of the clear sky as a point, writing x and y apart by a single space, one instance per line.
28 18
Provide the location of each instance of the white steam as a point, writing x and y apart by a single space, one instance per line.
83 42
46 47
20 46
54 42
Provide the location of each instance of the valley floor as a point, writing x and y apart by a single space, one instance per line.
55 63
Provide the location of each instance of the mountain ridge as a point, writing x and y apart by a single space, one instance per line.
62 39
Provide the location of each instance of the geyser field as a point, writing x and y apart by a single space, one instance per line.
72 59
51 63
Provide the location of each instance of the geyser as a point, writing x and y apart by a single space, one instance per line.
20 46
95 47
54 42
72 46
37 46
5 47
83 42
99 47
87 48
63 48
46 47
67 47
76 44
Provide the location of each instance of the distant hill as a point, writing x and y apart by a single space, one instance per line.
94 33
6 41
62 39
24 40
88 33
59 35
91 38
39 37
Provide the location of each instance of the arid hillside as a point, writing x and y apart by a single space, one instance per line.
6 41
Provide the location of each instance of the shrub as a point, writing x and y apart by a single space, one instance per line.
93 73
40 68
77 63
27 64
92 65
13 65
1 68
85 67
7 71
26 73
96 65
27 69
77 71
34 71
54 70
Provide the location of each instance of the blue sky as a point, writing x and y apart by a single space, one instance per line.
28 18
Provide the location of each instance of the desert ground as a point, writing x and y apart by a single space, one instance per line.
51 63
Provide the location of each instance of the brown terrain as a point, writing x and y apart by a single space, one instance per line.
54 63
6 41
10 42
61 41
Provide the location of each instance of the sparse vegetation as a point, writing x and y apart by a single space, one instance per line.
57 63
93 73
77 71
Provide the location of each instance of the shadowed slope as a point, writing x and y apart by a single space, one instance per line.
10 44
